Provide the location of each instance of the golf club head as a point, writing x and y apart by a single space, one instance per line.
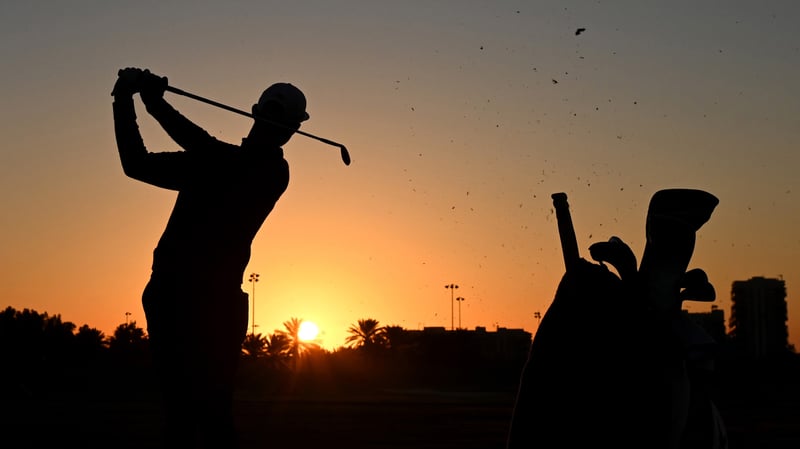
345 155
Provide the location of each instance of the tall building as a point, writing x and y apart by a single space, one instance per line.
758 317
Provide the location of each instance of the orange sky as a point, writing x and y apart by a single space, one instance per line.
458 135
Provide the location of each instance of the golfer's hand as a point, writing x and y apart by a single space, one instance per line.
129 82
152 86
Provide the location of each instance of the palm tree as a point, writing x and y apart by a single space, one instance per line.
292 333
296 346
278 349
254 345
367 334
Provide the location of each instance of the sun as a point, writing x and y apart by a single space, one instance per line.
308 331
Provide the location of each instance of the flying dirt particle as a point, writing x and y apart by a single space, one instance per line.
579 31
481 47
555 82
412 108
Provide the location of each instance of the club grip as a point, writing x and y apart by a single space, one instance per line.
566 231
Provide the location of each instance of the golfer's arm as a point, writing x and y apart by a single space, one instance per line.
182 130
165 170
130 145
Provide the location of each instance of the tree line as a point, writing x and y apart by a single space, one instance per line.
29 336
42 351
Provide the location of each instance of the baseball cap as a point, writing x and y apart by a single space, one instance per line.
288 98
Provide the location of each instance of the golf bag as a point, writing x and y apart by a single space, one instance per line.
615 361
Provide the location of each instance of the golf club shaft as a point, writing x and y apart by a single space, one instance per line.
175 90
566 231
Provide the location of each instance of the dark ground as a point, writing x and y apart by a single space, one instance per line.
391 420
416 419
761 409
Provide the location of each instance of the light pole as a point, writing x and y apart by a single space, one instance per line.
127 315
451 287
253 280
460 300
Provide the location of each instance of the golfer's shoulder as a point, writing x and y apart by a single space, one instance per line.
266 167
216 150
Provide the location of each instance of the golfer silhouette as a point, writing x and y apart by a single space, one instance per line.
195 308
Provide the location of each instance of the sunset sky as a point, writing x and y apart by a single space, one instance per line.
462 117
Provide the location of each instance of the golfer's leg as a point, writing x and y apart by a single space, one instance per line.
170 362
224 350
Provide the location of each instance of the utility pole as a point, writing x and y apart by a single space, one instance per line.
451 287
253 279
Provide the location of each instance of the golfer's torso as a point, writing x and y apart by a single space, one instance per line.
218 213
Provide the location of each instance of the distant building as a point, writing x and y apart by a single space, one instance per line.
504 344
758 317
712 322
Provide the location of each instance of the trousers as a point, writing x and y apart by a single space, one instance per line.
196 330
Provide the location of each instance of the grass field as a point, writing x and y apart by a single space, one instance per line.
761 410
392 420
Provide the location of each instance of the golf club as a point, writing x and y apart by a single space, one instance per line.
566 231
175 90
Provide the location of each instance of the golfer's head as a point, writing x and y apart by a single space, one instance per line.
282 103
